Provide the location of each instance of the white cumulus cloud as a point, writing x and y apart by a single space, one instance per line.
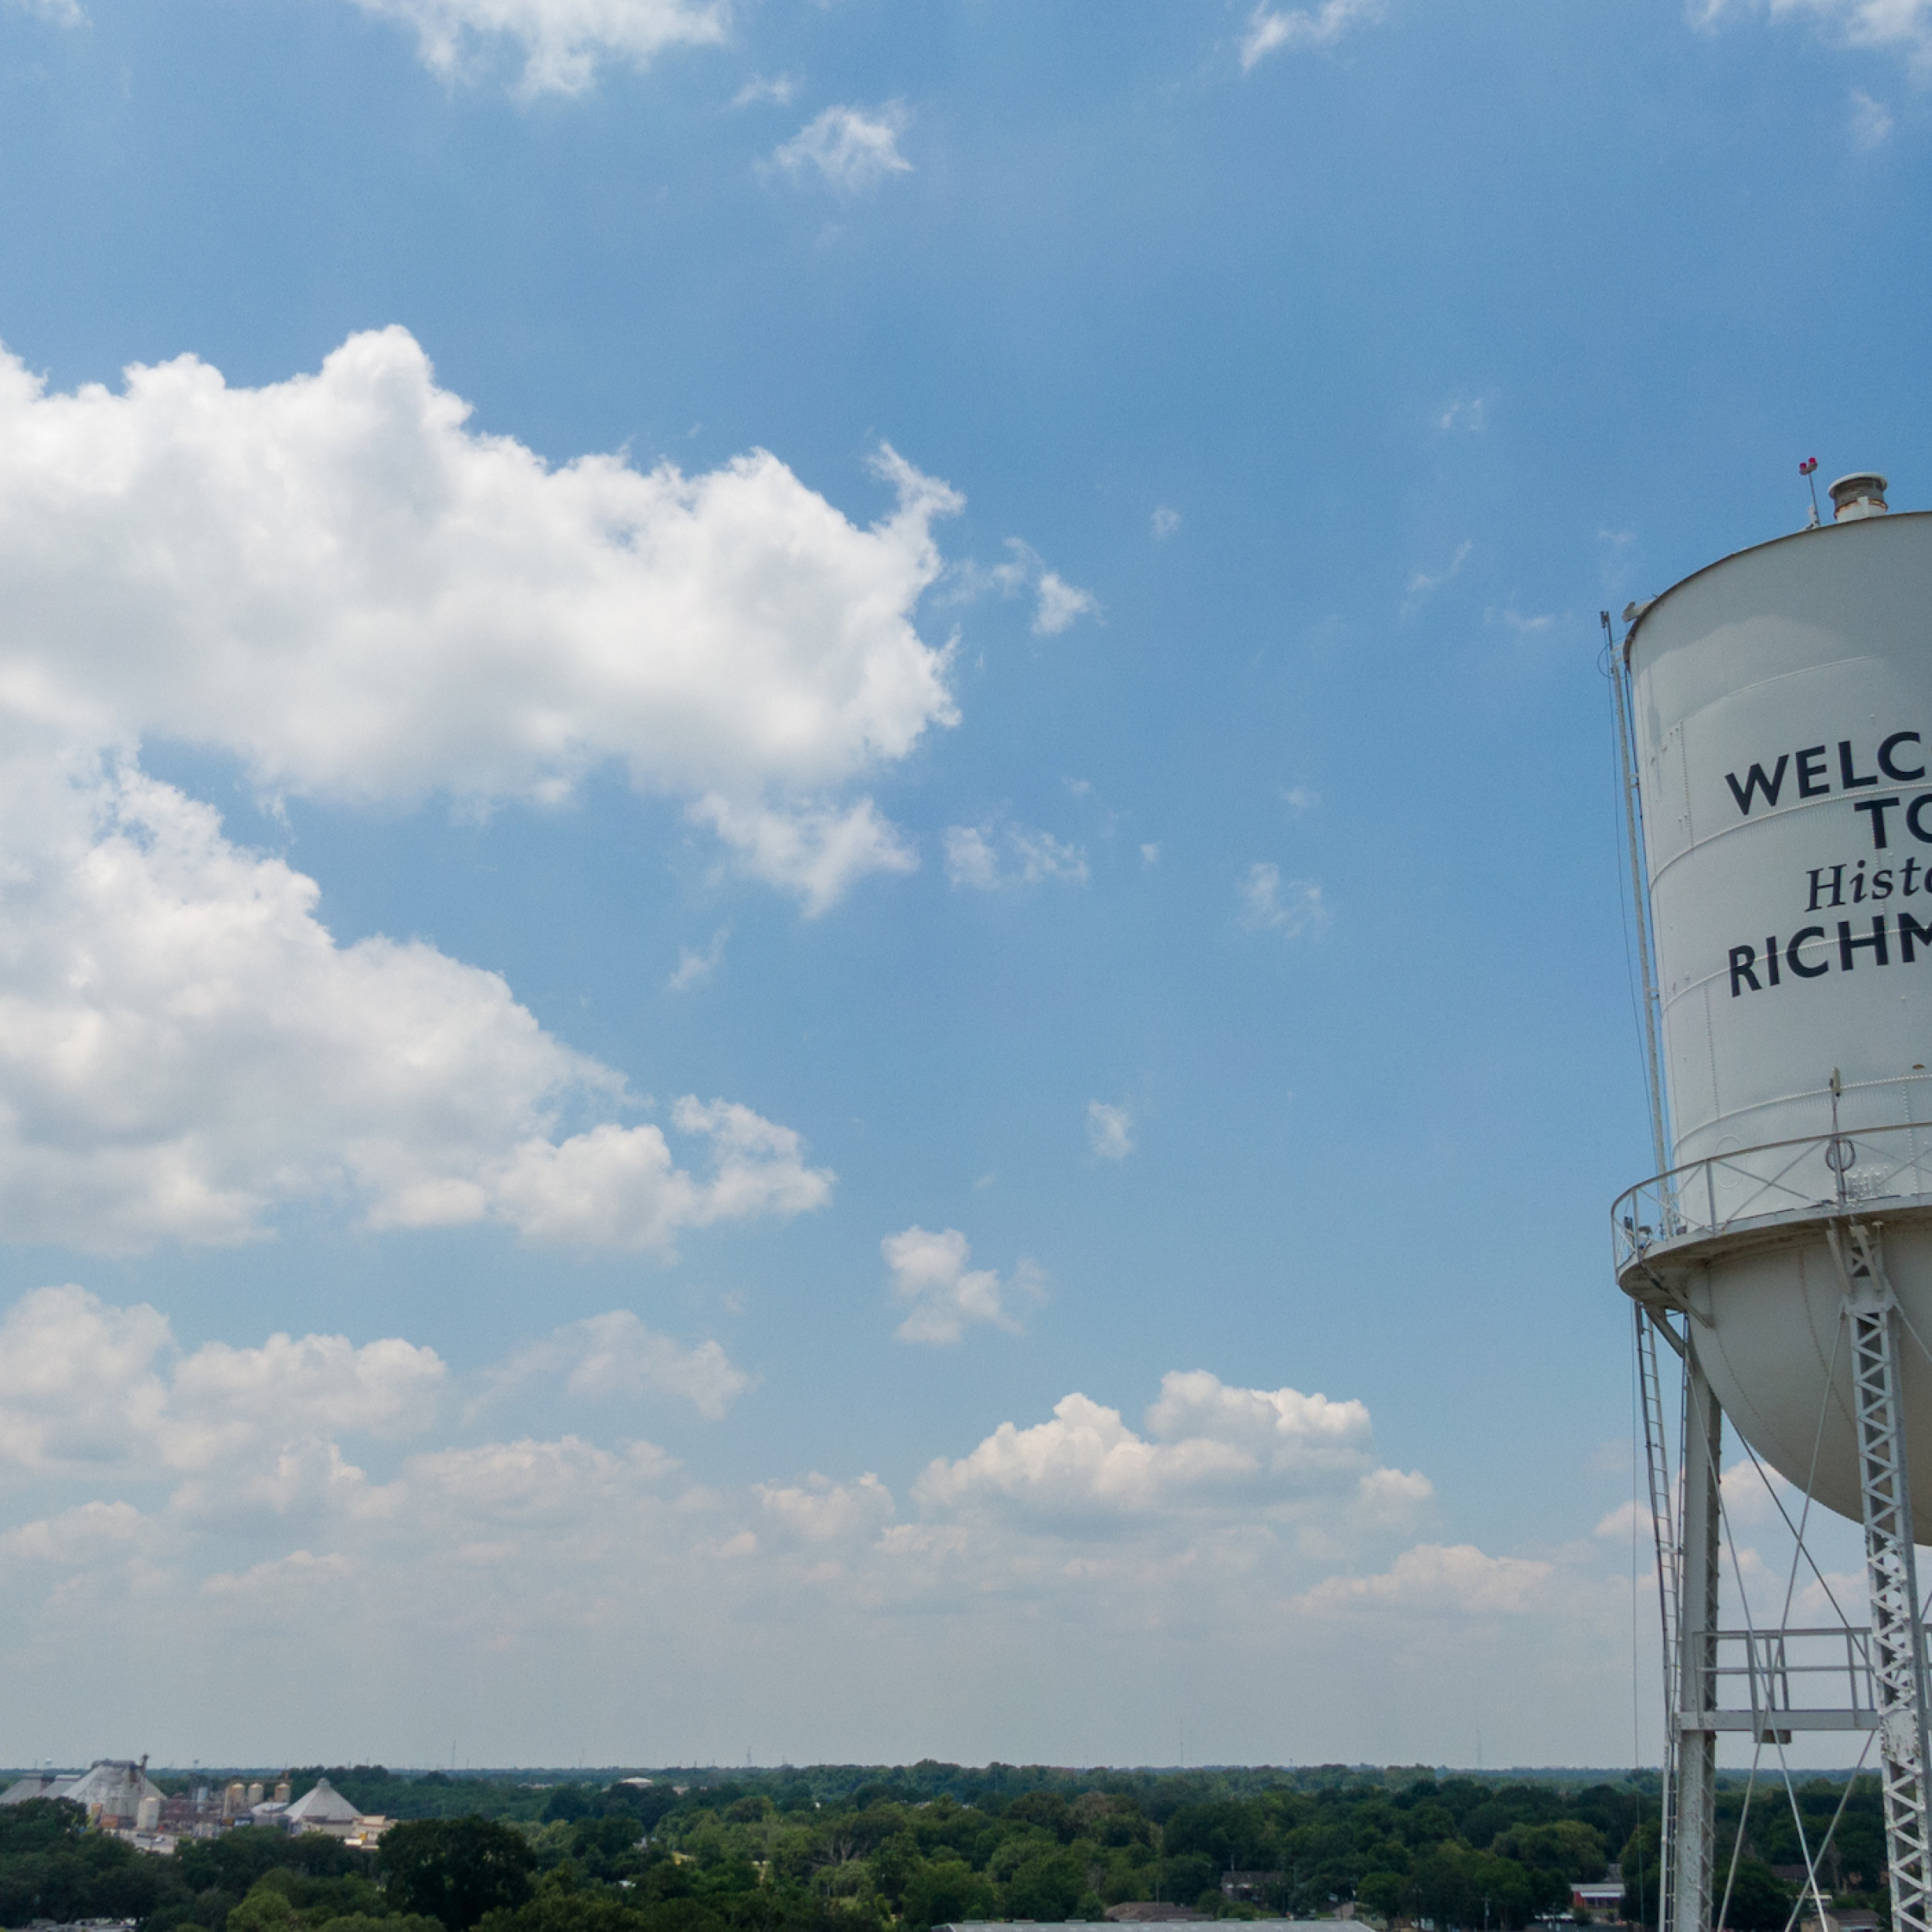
821 1511
1208 1448
618 1187
1871 122
1423 585
945 1297
851 147
1438 1580
694 968
776 88
1271 28
971 859
339 582
1524 625
987 857
1899 27
1272 904
815 852
1057 603
81 1536
179 1513
1617 1524
561 41
86 1389
337 579
185 1049
1110 1130
617 1355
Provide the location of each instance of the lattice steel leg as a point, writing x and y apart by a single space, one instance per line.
1898 1659
1688 1875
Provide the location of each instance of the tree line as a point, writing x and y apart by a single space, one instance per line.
857 1849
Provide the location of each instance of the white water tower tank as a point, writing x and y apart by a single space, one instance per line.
1783 711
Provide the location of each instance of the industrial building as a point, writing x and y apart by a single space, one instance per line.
119 1796
112 1791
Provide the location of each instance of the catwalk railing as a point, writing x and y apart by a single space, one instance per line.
1734 1191
1771 1681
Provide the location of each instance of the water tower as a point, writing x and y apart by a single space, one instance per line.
1775 711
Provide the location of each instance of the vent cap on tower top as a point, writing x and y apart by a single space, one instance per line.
1860 493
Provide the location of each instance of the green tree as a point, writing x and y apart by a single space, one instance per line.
455 1869
1641 1870
233 1862
1046 1809
1047 1887
1226 1834
1759 1901
558 1904
266 1908
52 1866
1187 1878
681 1915
946 1891
367 1922
1385 1894
893 1864
1574 1850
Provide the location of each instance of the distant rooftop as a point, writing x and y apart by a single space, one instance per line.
112 1785
324 1805
40 1784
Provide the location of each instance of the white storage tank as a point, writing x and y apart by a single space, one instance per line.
1782 704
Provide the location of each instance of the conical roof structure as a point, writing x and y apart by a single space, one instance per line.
324 1805
114 1789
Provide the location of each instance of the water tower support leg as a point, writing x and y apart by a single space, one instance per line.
1898 1659
1690 1904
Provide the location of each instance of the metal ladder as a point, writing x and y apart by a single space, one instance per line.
1663 1517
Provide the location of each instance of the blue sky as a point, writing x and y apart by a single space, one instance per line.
755 751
